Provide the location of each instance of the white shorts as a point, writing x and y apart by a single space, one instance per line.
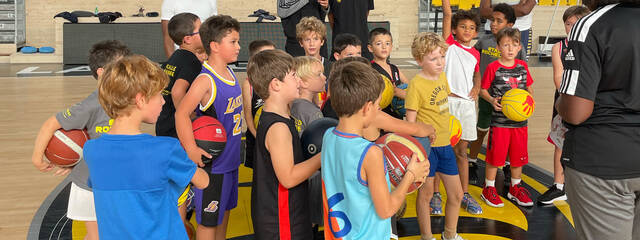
465 111
556 134
81 206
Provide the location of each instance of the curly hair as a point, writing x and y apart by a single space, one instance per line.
425 43
313 25
465 15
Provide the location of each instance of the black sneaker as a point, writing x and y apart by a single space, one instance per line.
551 195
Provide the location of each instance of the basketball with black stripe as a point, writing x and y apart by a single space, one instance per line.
65 147
210 136
398 150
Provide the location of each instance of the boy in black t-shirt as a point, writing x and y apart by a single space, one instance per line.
182 67
251 104
381 44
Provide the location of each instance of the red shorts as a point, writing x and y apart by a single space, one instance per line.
507 140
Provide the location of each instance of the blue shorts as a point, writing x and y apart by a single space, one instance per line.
442 160
220 196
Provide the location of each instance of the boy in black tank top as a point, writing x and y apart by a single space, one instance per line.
279 193
251 103
381 44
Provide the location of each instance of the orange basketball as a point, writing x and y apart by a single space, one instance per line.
65 147
398 150
455 129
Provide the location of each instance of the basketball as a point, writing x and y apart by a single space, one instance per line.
387 94
210 136
312 136
397 150
256 118
517 104
455 130
65 147
398 103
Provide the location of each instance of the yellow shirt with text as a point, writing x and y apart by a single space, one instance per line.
430 99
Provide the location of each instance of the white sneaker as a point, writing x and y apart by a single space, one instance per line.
457 237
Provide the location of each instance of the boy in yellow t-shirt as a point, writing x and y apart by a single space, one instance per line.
427 102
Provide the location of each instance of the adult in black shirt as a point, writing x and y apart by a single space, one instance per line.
290 13
600 104
350 16
183 65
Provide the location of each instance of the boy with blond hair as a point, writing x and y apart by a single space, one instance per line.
427 102
116 159
86 114
506 137
279 193
216 93
356 185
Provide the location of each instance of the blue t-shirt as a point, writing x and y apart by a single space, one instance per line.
136 181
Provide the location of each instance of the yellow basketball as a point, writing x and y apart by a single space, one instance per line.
517 104
455 129
387 94
256 118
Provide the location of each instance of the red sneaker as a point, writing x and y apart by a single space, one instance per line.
520 195
490 196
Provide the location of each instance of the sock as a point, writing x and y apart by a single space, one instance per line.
515 181
559 186
473 160
449 233
489 183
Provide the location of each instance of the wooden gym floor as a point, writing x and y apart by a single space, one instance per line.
31 95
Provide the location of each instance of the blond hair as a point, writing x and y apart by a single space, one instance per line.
312 24
304 66
425 43
124 79
266 66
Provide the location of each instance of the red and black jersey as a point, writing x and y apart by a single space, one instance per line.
278 212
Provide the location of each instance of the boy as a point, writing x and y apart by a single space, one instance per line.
86 114
556 135
312 82
381 45
344 45
216 92
427 102
503 16
463 76
312 34
279 193
116 160
182 68
251 102
506 136
355 181
310 71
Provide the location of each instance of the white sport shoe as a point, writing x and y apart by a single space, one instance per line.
457 237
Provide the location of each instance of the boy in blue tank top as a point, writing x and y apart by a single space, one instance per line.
216 92
357 198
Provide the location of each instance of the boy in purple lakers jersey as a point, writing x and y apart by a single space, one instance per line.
216 92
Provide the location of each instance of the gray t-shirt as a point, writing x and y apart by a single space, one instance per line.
305 111
87 114
487 46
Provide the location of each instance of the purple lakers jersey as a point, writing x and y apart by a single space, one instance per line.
225 104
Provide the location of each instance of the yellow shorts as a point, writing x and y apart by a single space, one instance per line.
185 196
